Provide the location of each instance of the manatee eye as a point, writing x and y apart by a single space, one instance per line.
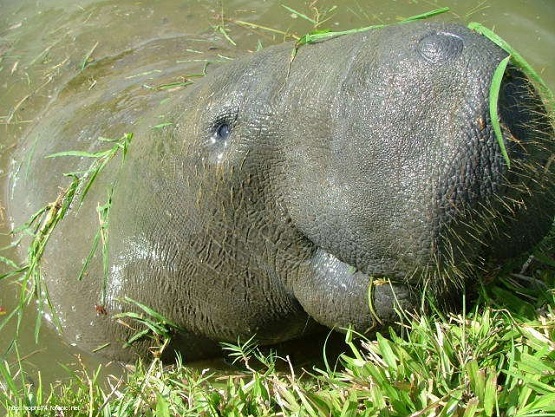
223 131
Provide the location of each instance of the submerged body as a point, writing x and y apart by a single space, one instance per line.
282 194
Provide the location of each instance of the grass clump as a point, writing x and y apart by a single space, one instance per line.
498 359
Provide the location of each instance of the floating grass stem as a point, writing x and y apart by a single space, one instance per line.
87 58
299 14
261 27
324 34
426 15
320 35
221 27
163 125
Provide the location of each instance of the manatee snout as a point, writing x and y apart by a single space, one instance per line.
407 181
333 187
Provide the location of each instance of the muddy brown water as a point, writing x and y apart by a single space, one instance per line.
43 45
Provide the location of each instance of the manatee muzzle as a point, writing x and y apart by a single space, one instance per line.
476 207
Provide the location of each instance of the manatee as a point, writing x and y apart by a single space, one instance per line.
286 193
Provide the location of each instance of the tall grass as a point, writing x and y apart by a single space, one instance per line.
498 359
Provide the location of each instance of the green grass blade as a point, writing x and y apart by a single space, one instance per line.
517 59
88 259
9 262
7 376
387 352
162 406
162 125
320 35
87 58
149 311
426 15
261 27
81 154
493 100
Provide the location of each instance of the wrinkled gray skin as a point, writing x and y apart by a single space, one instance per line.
285 192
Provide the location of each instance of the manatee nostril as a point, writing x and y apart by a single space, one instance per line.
440 46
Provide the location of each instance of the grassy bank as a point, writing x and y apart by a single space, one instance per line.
498 359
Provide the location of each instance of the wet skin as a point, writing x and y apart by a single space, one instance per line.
286 195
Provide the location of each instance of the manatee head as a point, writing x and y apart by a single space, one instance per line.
373 156
400 175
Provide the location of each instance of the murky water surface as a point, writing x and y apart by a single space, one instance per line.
44 45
